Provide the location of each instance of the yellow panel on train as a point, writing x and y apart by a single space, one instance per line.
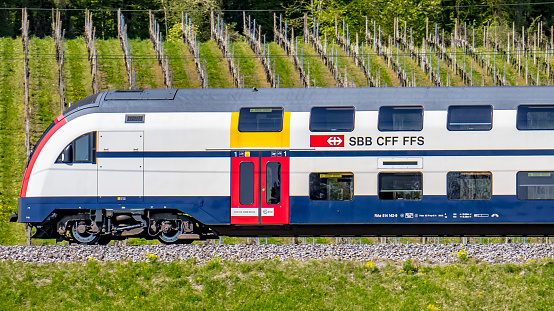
260 139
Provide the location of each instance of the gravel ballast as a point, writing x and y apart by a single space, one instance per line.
430 253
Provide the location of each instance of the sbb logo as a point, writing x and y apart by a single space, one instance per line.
326 140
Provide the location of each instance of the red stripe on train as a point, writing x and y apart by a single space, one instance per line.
59 122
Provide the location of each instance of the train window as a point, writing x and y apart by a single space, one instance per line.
273 183
400 118
469 185
332 119
400 186
535 185
246 183
535 117
261 119
331 186
80 150
469 118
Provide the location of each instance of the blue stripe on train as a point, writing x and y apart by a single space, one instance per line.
361 210
209 210
431 209
337 153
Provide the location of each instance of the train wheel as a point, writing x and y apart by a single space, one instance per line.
81 235
170 233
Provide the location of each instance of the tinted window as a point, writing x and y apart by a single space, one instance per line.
80 150
469 185
262 119
331 186
469 118
535 117
246 183
273 183
535 185
401 118
332 119
400 186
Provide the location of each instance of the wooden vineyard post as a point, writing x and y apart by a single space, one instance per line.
90 40
25 41
124 41
253 39
189 36
220 34
58 35
157 41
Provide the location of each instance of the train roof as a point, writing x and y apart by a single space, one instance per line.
303 99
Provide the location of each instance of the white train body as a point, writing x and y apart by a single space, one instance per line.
180 153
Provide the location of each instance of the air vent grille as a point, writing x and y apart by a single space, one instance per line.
134 118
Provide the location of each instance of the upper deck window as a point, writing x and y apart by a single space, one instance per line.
261 119
535 117
401 118
469 118
332 119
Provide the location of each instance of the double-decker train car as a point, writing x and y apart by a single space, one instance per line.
182 165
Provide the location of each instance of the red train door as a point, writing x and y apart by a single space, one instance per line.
260 187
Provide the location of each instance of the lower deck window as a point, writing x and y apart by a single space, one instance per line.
400 186
535 185
331 186
469 185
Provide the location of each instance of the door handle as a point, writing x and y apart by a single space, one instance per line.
263 189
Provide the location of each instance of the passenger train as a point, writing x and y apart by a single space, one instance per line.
193 164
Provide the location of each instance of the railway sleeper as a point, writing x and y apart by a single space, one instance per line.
102 226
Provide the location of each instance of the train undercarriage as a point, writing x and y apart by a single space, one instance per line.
102 226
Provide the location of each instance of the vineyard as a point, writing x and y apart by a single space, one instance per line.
42 76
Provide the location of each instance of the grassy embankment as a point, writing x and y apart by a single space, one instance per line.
78 78
378 65
12 135
111 67
145 63
180 61
285 73
421 78
275 285
216 66
317 69
250 66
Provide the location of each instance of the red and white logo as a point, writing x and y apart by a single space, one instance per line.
326 140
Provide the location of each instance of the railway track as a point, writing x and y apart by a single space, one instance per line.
379 253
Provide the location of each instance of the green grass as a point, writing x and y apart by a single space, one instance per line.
12 134
111 67
148 72
216 66
276 285
354 72
284 68
184 72
78 78
250 66
43 85
317 68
